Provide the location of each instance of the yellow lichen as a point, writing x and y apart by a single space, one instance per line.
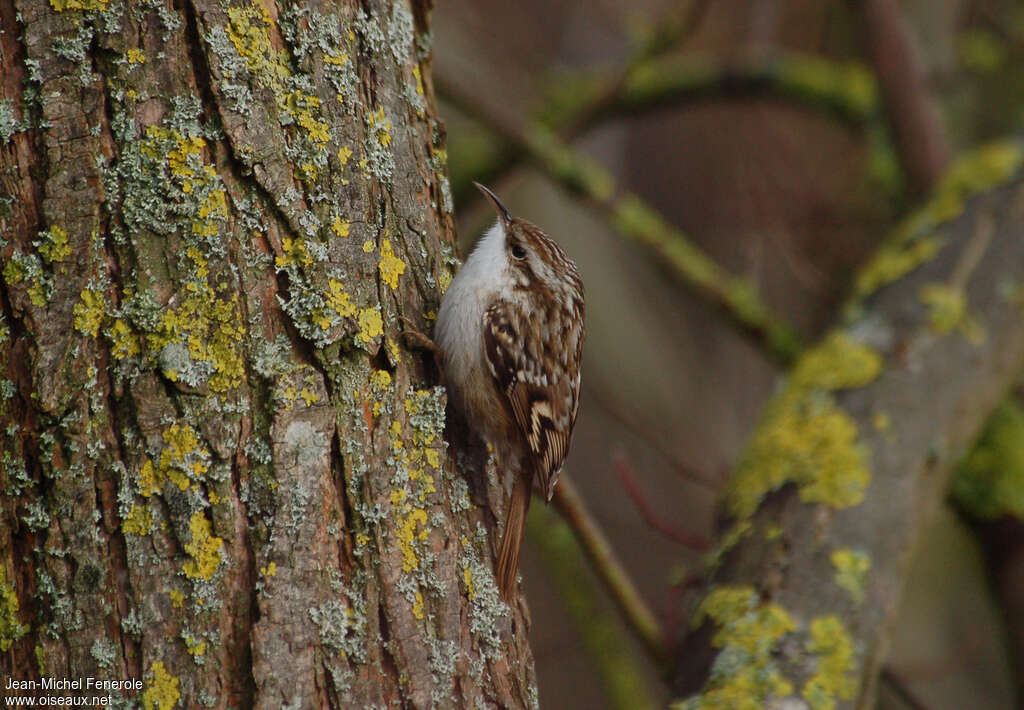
977 171
10 628
54 246
177 598
269 570
344 153
161 691
295 252
417 606
380 126
893 261
851 570
882 422
391 267
371 324
204 548
835 675
805 438
338 299
412 526
135 56
139 521
467 577
183 458
381 380
418 75
248 30
147 479
194 646
340 227
947 311
748 632
211 329
124 343
338 59
88 312
62 5
394 351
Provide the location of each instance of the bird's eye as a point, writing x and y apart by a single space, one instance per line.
518 252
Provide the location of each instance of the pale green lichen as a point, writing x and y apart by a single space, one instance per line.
852 568
835 675
805 438
8 124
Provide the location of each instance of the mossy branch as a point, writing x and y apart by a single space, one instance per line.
846 465
846 91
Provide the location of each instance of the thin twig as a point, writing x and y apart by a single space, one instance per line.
608 567
674 533
599 630
911 109
643 432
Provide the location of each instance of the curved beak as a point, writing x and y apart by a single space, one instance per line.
498 206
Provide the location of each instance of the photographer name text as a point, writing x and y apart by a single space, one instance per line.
87 684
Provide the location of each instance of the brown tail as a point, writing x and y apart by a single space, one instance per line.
512 540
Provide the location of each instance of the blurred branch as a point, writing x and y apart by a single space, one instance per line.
910 107
846 454
607 566
896 684
847 91
599 631
634 218
583 99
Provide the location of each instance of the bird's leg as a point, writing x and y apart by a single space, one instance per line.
416 339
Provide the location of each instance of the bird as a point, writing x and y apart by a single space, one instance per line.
510 333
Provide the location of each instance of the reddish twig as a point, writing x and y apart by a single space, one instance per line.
644 433
672 532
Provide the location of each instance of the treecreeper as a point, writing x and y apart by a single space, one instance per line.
510 338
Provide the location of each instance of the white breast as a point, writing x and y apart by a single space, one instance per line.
459 330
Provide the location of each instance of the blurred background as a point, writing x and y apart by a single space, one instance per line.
785 139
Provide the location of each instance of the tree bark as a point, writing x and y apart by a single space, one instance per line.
853 455
223 474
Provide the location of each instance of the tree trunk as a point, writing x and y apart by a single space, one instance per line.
223 473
